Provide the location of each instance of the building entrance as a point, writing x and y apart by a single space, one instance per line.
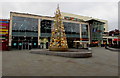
44 43
21 45
24 44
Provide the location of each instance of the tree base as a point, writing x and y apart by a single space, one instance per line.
58 49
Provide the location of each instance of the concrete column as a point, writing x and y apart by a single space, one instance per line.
102 41
80 33
107 41
117 41
10 30
89 33
39 30
112 40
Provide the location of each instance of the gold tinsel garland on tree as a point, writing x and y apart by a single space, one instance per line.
58 38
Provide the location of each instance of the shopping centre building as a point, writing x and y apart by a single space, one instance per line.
35 30
4 34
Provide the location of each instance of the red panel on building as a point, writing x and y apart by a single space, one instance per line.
4 34
116 40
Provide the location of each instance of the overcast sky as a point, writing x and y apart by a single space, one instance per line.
102 10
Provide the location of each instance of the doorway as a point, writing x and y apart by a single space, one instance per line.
25 45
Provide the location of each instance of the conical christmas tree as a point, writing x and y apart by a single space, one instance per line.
58 38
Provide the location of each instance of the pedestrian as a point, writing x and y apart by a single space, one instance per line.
105 46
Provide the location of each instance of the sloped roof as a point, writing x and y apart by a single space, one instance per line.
85 18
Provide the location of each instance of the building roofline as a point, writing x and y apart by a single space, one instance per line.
89 18
96 20
86 17
31 14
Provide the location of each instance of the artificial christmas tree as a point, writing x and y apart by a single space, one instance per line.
58 38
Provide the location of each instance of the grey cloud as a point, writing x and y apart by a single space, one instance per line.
103 10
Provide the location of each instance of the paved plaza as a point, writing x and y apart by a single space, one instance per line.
22 63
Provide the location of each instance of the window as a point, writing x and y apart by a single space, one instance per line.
97 30
84 31
24 26
72 29
46 26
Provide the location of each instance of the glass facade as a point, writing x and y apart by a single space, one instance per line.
45 33
97 30
84 29
24 32
24 26
46 26
72 29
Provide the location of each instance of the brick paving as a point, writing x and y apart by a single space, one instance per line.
22 63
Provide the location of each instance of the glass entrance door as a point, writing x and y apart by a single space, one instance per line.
25 45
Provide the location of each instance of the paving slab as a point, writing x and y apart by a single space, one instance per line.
22 63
